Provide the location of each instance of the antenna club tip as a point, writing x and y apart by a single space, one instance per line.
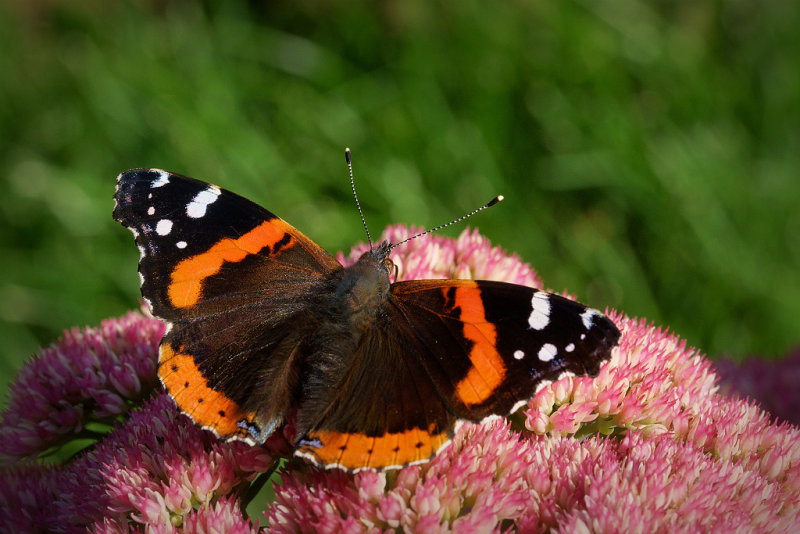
347 154
495 200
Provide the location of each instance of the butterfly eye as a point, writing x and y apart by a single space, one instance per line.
389 265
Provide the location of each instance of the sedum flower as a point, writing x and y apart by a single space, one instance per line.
648 445
89 375
493 476
158 469
26 493
222 517
772 383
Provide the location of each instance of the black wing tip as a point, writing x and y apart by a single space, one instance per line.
142 173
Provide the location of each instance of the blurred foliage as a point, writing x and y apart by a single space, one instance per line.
648 151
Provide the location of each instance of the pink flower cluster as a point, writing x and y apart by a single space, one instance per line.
648 445
158 469
90 375
773 383
492 478
655 385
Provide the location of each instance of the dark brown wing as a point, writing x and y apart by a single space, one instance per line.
489 345
384 412
235 283
205 250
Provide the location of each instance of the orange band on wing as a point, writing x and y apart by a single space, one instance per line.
186 281
359 451
488 369
206 406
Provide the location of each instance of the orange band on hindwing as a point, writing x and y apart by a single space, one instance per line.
358 451
189 388
488 369
186 281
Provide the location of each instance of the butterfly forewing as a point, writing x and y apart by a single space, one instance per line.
494 343
204 249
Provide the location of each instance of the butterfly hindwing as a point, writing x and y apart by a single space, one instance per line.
382 412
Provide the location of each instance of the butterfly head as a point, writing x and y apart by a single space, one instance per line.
379 256
365 284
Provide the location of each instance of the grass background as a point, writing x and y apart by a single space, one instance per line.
648 151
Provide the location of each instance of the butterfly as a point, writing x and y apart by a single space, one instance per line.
264 325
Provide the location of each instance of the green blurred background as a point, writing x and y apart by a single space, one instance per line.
648 151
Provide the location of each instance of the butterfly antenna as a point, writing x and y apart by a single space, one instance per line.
489 204
353 186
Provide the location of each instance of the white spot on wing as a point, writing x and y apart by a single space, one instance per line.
518 354
540 311
197 207
181 244
547 352
588 318
151 210
570 347
164 227
163 179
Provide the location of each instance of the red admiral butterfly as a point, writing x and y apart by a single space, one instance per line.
264 322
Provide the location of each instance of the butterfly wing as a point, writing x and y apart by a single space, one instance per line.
495 344
383 413
195 237
228 276
449 350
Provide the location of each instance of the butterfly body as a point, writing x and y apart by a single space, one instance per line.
265 325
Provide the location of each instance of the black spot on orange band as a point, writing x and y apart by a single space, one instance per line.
358 451
190 390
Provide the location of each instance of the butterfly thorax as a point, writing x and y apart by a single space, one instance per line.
364 286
